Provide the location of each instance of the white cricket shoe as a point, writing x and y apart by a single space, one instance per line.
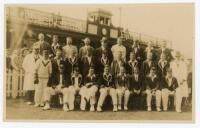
179 111
65 108
28 103
119 107
125 108
46 107
149 109
92 108
158 109
165 108
37 105
115 108
99 109
42 105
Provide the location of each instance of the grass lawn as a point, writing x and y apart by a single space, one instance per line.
16 109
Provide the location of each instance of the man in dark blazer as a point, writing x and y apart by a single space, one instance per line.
116 64
103 49
152 86
88 90
163 65
72 62
148 64
86 62
100 64
166 51
169 85
55 45
139 52
107 87
57 80
132 63
135 87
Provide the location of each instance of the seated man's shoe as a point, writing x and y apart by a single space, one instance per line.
149 109
119 107
65 108
125 108
158 109
99 109
28 103
46 107
37 105
115 108
92 108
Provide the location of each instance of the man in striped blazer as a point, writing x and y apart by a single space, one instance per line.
107 87
88 90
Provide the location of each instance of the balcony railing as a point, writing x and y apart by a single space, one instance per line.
35 17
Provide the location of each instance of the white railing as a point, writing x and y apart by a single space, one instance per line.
14 88
18 14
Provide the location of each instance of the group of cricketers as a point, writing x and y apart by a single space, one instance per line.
118 71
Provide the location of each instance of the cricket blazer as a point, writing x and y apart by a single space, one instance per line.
55 76
106 81
146 67
135 83
131 65
91 80
80 79
121 81
152 83
71 64
162 70
170 85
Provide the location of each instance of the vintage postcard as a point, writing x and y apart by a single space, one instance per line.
99 63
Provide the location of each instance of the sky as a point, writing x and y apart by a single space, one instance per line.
174 22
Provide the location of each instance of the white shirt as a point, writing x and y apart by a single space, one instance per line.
67 49
116 49
89 59
76 81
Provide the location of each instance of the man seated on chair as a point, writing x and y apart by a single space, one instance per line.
74 88
56 81
169 85
135 85
107 87
152 84
88 90
122 88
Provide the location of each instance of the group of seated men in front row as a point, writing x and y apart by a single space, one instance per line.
88 76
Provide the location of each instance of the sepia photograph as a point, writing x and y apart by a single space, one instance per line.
99 62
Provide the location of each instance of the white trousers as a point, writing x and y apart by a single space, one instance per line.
165 97
49 92
39 90
107 91
88 94
178 98
15 79
157 94
72 91
120 93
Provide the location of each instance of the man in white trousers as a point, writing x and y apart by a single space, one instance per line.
43 70
88 90
169 85
122 88
179 71
152 84
74 88
107 87
56 82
